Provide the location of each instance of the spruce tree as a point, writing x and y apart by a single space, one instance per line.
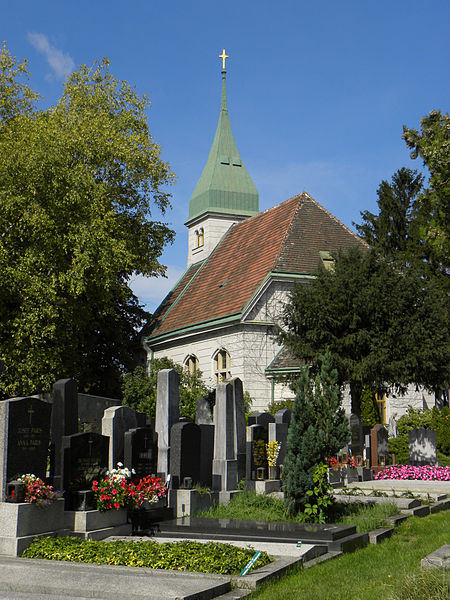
318 430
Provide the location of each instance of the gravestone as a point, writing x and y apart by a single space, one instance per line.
379 446
204 419
422 447
140 450
185 438
225 464
90 412
85 459
203 414
167 414
64 422
254 433
116 421
239 425
357 437
24 439
278 432
260 419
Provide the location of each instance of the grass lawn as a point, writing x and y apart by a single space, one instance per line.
259 507
388 570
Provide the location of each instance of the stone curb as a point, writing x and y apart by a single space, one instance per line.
439 559
378 535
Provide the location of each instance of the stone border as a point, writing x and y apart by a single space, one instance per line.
439 559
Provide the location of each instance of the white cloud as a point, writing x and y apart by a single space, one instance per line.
61 64
152 290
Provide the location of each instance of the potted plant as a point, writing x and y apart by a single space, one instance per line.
272 452
259 458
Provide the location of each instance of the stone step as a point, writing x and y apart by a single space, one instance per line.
401 503
349 543
234 594
440 505
420 511
378 535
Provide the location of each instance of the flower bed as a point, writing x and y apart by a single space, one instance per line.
425 473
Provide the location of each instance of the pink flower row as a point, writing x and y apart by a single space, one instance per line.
425 473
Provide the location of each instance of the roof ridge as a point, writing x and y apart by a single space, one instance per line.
336 219
300 197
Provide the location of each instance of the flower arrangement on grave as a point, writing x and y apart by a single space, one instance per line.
272 452
333 463
351 462
259 453
37 491
424 473
116 490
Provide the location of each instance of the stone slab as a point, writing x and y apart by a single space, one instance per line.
401 503
420 511
263 487
405 485
87 520
439 559
190 502
101 534
24 519
378 535
63 579
440 505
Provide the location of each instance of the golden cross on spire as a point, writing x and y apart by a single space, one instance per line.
223 56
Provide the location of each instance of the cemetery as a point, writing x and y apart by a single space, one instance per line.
102 471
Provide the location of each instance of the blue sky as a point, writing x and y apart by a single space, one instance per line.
317 94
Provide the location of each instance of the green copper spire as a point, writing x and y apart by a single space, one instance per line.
225 185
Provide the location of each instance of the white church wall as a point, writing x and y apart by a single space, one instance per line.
214 228
269 306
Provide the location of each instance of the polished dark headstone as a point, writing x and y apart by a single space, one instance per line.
185 438
140 450
85 459
28 437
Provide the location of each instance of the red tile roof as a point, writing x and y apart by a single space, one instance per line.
286 238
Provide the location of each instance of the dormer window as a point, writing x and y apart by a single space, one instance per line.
327 260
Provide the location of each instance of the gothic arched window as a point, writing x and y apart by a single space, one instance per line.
191 364
222 366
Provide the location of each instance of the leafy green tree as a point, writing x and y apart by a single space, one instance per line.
140 390
78 183
394 230
432 145
318 430
383 327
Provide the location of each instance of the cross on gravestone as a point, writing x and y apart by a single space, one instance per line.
167 414
116 421
140 450
24 439
422 447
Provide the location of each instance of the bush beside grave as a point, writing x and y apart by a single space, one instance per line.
181 556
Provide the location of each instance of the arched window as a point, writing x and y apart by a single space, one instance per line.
191 364
222 366
200 237
381 403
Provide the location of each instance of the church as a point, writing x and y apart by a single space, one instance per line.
221 316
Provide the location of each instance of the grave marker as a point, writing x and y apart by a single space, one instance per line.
422 447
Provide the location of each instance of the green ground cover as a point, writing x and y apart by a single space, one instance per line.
260 507
390 570
183 556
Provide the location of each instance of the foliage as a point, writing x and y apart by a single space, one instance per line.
432 145
251 506
370 415
400 447
181 556
37 492
277 405
393 232
425 473
272 451
371 573
259 453
320 496
424 585
381 327
78 182
318 429
366 517
433 418
139 390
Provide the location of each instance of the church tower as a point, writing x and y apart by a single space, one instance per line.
224 194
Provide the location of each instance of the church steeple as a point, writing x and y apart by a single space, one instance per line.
225 187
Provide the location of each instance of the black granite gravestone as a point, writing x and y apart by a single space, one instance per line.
185 440
260 419
140 450
85 459
28 437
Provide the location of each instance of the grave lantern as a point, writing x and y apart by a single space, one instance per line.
15 491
